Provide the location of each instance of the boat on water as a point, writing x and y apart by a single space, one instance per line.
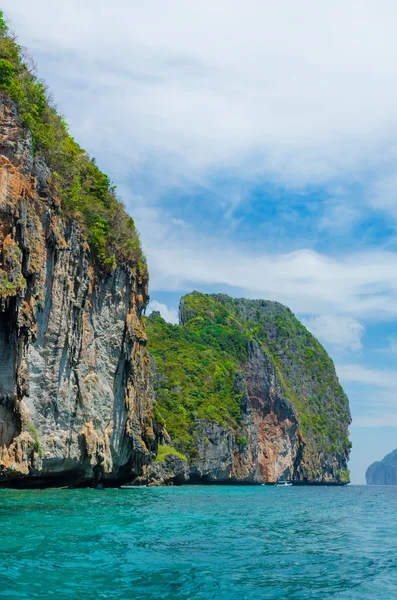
131 487
283 483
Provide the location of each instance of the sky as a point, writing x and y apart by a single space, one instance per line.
255 145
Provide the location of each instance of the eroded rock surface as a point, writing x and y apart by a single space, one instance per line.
383 472
75 391
248 394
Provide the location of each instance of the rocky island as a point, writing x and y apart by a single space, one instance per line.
238 392
383 472
75 393
247 394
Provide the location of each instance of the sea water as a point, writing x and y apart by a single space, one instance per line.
199 542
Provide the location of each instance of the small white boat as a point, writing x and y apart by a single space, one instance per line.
283 484
131 487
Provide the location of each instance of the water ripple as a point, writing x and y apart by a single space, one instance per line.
199 543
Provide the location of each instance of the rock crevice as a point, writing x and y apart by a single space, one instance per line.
75 391
248 394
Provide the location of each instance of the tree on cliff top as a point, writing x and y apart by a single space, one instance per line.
86 193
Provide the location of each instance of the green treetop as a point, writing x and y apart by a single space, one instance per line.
86 193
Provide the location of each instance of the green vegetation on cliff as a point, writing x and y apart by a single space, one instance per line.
306 372
200 365
164 450
197 366
86 193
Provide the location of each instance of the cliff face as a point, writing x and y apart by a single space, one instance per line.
266 446
243 392
75 394
383 472
248 394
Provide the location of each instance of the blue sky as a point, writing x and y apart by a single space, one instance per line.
255 144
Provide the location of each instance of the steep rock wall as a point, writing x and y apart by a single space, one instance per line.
75 390
248 394
383 472
268 427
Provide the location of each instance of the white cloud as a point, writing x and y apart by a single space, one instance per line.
383 194
375 404
339 218
341 332
377 418
303 92
355 373
390 347
360 285
169 314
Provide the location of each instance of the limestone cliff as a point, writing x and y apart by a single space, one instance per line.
248 394
383 472
75 394
243 392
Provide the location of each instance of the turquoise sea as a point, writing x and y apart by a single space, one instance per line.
199 542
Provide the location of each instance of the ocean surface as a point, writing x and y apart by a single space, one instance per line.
199 542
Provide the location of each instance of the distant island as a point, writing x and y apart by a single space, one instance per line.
383 472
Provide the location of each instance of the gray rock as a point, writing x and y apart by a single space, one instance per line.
268 426
172 470
75 384
383 472
294 415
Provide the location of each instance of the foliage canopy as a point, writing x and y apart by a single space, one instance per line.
200 367
86 193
